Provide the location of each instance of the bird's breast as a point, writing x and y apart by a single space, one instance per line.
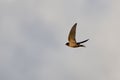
72 44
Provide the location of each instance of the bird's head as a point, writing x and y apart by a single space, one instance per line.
67 44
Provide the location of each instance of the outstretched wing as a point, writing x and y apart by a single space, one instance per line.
72 34
83 41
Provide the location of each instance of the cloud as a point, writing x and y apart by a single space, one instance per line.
33 34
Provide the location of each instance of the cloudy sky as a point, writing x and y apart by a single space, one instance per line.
33 34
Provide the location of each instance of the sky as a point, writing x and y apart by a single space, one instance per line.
33 34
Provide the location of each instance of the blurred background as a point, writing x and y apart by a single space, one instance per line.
33 34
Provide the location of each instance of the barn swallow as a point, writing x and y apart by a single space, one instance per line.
72 38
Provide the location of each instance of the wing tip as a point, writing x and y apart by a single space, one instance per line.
75 24
87 40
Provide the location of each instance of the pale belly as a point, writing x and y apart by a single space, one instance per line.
72 44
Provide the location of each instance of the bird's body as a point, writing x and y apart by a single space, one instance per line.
72 40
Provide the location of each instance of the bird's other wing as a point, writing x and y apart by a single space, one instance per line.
72 33
83 41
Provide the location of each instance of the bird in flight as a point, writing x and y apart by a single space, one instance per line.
72 38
